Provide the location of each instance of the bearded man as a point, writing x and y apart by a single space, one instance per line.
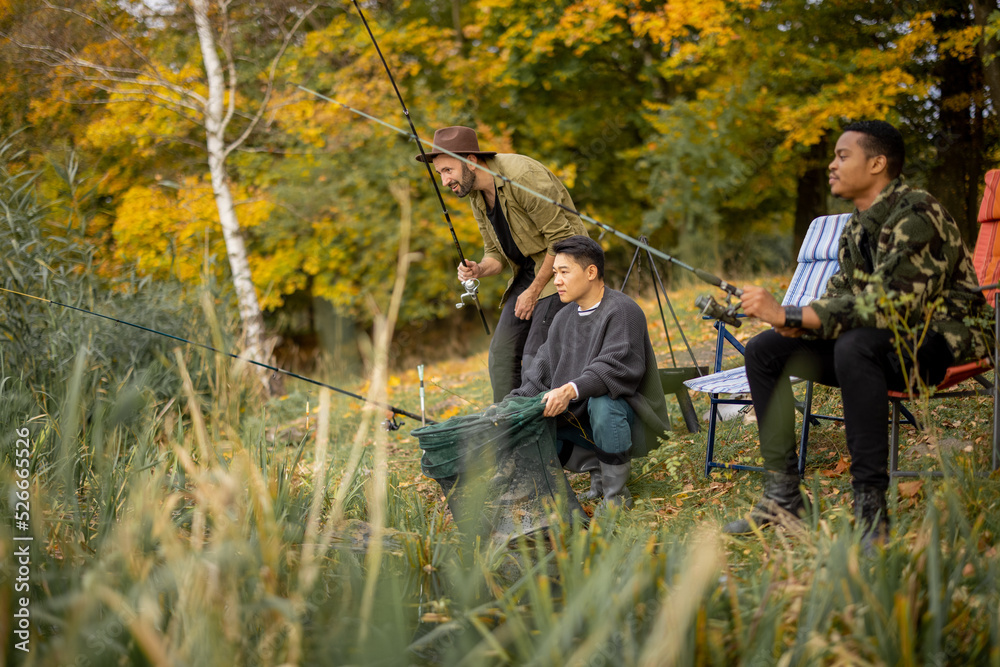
519 231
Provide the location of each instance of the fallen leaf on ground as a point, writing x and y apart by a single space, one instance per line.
843 465
910 489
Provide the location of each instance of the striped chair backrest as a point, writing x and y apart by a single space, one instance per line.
986 257
817 260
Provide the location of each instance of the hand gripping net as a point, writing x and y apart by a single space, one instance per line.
499 469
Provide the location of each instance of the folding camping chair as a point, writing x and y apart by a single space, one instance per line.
986 259
817 262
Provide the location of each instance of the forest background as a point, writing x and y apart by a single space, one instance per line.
159 164
705 125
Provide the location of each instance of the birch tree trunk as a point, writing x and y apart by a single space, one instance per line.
132 72
216 119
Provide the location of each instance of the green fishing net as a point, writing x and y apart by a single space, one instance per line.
499 469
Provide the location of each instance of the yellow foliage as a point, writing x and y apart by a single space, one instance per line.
167 231
674 21
131 120
963 43
920 33
854 96
277 274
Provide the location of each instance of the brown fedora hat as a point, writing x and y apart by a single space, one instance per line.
459 140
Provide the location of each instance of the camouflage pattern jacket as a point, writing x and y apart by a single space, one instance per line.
906 244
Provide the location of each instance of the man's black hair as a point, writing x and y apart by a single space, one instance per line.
584 250
881 138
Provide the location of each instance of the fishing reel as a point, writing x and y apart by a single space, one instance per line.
392 424
471 290
711 308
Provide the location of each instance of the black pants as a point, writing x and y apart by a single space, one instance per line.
864 364
515 341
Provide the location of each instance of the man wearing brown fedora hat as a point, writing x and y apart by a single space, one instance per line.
519 229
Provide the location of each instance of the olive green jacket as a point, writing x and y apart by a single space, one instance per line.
906 244
535 224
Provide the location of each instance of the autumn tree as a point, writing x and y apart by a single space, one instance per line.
705 125
335 225
145 59
961 123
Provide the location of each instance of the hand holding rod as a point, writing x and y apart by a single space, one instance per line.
427 163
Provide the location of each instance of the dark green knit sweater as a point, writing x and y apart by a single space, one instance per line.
605 353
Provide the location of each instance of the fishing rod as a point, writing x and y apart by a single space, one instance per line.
390 424
471 286
708 305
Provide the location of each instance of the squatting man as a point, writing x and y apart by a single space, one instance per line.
899 241
596 372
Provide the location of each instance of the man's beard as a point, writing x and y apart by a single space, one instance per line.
468 180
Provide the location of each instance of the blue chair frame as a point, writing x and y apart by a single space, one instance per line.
817 261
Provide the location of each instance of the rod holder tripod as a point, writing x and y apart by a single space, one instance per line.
671 379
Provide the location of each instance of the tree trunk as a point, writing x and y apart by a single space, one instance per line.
988 49
955 180
254 335
456 18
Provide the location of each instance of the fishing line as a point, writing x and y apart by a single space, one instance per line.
391 424
458 396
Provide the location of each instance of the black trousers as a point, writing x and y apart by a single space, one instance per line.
864 364
515 341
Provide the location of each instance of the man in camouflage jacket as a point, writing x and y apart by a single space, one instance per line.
901 259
